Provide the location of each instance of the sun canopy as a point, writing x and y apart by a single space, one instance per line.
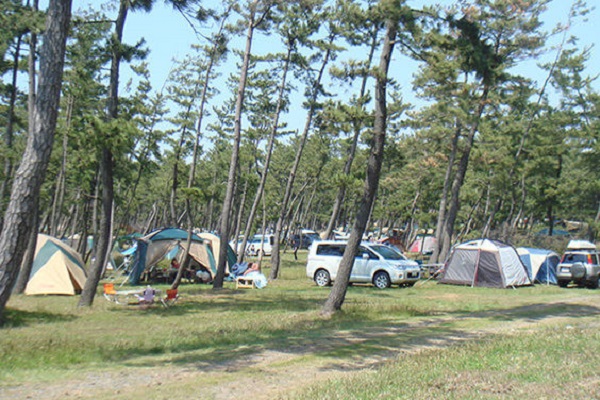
486 263
57 269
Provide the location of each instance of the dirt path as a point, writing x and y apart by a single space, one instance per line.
278 373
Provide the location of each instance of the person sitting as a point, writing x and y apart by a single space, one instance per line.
173 270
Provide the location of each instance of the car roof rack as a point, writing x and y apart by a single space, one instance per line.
581 245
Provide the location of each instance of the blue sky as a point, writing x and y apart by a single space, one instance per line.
169 37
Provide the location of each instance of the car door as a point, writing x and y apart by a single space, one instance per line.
363 264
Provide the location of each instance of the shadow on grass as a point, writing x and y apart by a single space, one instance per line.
343 343
20 318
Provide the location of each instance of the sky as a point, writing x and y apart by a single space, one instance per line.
169 36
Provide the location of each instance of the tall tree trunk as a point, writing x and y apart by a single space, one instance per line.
441 220
32 170
275 257
448 228
357 126
188 201
338 292
273 132
8 135
106 166
59 189
237 132
240 211
27 263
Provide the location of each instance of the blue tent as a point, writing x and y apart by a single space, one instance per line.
541 264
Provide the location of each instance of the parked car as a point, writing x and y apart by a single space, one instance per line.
375 263
306 239
260 243
237 245
580 264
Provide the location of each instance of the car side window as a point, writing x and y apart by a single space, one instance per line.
331 250
362 250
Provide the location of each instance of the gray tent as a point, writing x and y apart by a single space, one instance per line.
487 263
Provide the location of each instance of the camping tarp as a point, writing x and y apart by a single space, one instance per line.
486 263
156 245
57 269
541 264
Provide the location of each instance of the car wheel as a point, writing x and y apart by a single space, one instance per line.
381 280
594 283
563 284
322 278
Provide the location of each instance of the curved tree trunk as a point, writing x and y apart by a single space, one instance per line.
338 292
357 126
32 170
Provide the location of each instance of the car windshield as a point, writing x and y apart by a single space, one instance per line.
387 252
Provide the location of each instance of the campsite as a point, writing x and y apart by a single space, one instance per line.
199 200
429 341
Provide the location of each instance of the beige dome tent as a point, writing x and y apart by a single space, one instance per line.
57 269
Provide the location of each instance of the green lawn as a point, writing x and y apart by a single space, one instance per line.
429 341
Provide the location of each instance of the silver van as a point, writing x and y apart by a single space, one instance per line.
375 263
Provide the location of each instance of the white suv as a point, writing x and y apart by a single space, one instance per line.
580 264
378 264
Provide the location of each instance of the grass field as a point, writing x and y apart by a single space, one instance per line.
429 341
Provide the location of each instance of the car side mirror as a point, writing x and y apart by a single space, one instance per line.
365 256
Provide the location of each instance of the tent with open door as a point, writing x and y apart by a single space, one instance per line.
486 263
541 264
57 269
153 247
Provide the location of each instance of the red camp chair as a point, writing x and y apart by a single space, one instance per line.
171 297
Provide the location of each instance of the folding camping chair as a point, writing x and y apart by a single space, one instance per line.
110 293
171 298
